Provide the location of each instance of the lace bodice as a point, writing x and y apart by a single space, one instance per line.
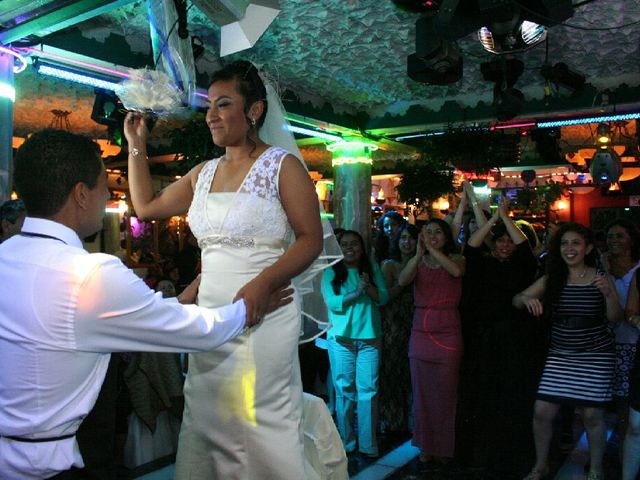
255 210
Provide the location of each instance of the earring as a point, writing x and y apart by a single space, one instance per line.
253 122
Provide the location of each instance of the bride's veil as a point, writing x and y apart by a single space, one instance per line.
275 131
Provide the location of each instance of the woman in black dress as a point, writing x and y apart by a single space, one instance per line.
579 367
497 381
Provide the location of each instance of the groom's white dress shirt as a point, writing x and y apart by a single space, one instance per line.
62 311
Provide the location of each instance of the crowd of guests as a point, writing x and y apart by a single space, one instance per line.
474 334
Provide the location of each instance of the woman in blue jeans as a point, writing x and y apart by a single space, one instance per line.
353 289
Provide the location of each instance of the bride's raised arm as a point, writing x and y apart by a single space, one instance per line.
175 199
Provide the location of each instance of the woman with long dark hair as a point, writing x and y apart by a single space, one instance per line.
581 302
395 380
353 289
390 226
435 347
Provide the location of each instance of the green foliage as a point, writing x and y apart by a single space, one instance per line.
424 180
539 200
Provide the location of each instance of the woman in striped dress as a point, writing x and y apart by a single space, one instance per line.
581 359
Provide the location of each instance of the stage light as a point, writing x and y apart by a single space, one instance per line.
436 62
605 167
75 76
458 18
507 103
507 100
560 74
603 138
523 37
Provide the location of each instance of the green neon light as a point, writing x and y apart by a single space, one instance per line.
350 161
326 215
7 91
355 146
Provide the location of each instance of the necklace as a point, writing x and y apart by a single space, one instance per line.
581 275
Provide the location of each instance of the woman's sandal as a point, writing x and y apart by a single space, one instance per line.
536 474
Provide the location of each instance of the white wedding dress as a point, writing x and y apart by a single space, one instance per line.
243 408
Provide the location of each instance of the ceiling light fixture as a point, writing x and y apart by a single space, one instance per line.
585 120
507 100
75 76
561 74
603 137
523 37
241 22
436 61
605 167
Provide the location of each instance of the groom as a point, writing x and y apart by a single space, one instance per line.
63 310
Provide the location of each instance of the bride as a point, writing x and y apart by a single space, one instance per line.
256 216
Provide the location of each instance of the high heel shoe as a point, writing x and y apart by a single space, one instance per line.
536 474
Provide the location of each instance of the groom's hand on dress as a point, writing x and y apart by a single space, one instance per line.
190 293
259 304
281 297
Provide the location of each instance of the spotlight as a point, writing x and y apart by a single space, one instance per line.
436 61
605 167
107 108
507 100
458 18
560 74
517 38
603 138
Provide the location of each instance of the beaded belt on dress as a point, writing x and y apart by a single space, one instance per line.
220 241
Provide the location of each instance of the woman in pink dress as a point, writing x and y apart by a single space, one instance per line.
435 347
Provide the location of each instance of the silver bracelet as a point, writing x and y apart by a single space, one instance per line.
135 152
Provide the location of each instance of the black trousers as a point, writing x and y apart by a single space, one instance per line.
97 433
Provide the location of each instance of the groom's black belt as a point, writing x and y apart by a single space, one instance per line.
38 440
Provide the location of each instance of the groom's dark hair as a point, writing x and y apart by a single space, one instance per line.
49 164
